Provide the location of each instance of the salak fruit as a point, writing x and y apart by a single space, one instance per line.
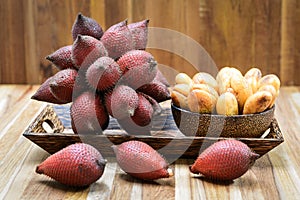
62 58
88 114
136 64
86 26
85 50
224 160
44 93
121 102
141 161
76 165
62 84
117 40
140 121
103 74
156 90
139 33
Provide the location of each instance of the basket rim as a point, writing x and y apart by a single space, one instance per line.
272 109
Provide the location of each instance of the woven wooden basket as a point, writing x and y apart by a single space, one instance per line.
169 141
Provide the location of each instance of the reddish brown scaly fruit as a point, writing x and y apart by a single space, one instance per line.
138 123
103 74
224 160
143 113
88 114
44 93
121 102
138 67
85 50
80 85
156 90
62 84
77 165
134 59
117 40
141 161
61 58
86 26
156 107
157 120
139 33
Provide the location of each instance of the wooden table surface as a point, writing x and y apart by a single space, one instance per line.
273 176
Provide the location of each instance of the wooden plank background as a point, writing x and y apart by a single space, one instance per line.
241 33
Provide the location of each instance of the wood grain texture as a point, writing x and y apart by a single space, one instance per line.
12 47
273 176
242 33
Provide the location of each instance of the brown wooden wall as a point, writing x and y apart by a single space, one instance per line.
242 33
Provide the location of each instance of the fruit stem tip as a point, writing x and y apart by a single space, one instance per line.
170 172
101 162
49 58
39 170
192 170
79 15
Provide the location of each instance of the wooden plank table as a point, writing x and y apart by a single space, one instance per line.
273 176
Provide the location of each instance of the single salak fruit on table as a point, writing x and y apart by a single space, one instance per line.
141 161
76 165
224 160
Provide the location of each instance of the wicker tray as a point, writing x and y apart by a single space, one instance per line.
169 141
